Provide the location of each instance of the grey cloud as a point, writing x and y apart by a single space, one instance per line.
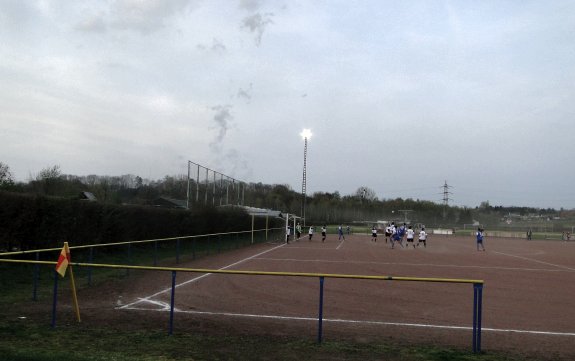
245 94
16 13
216 46
94 24
257 24
142 16
237 165
222 118
146 16
250 5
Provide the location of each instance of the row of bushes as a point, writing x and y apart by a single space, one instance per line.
36 222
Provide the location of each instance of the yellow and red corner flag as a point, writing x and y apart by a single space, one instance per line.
64 260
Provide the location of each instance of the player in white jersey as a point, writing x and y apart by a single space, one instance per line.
388 232
409 234
422 237
374 234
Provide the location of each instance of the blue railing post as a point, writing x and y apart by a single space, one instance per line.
320 317
477 314
36 276
91 260
171 331
55 300
129 258
194 248
155 253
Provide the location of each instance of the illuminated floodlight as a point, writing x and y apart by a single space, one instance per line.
306 134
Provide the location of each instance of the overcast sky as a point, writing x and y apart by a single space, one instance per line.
400 96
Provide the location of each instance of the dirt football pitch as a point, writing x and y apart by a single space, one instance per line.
528 294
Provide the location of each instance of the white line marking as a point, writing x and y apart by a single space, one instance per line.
414 264
327 248
147 299
534 260
341 243
383 323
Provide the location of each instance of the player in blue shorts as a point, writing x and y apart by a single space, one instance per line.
340 233
374 234
396 236
480 239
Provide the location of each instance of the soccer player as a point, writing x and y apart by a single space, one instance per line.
409 236
422 237
310 232
396 236
340 232
374 234
323 233
480 239
387 232
401 231
298 231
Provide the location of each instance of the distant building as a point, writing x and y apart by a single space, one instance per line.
87 196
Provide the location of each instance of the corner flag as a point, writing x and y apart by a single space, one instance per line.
63 260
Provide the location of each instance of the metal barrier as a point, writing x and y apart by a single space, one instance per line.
477 288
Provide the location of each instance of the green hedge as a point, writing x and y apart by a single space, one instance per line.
36 222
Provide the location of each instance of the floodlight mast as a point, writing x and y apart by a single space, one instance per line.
305 134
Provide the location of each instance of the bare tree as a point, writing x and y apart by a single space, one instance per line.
365 193
5 175
48 178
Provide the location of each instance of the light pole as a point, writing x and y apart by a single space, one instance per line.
305 134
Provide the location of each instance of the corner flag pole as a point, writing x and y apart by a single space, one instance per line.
65 260
74 296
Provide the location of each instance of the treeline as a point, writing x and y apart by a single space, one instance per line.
321 207
31 222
